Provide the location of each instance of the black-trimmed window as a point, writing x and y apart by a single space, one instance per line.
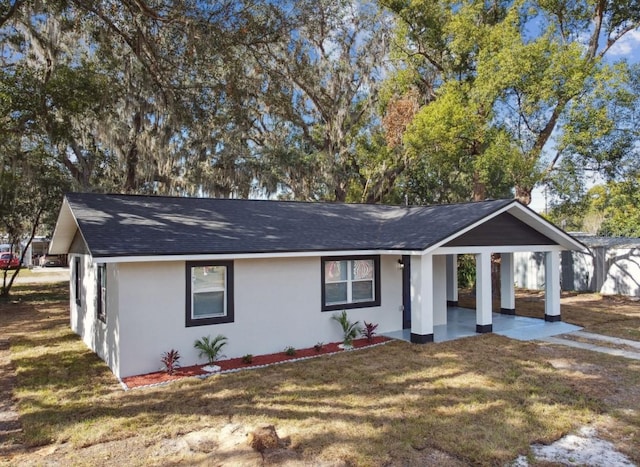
209 292
350 282
102 292
76 280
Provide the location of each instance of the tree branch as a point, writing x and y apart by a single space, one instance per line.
598 18
11 12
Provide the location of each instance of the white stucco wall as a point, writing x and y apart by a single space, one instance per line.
99 336
277 304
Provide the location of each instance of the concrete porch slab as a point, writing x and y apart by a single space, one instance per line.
461 322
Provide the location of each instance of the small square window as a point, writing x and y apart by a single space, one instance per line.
352 282
209 293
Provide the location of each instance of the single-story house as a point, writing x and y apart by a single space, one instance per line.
152 273
608 265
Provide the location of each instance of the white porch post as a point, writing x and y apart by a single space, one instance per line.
507 292
452 280
552 286
484 321
422 299
439 290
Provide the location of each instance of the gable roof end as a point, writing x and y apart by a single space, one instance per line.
525 215
65 230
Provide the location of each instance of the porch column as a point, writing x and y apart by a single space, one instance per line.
552 286
507 292
422 299
484 321
439 290
452 280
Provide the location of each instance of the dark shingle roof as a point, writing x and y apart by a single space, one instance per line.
125 225
594 241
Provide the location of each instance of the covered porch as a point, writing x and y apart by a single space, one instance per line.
461 322
431 284
430 279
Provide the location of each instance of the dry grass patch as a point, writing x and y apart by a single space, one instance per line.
481 400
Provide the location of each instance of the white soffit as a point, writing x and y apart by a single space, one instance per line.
64 232
240 256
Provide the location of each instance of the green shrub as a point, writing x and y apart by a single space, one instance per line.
211 348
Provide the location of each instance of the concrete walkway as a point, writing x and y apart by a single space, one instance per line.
632 354
39 275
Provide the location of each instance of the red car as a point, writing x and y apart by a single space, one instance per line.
9 261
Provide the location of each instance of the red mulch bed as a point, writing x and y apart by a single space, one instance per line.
160 377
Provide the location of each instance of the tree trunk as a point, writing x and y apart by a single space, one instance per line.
6 288
479 188
340 193
132 157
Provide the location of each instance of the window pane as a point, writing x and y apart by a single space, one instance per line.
335 293
206 304
362 269
335 271
208 291
102 292
362 291
207 278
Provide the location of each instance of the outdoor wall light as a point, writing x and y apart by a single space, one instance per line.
400 264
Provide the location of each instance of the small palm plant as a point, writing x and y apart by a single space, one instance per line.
211 348
349 330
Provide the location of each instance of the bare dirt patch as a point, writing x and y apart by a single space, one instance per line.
581 448
9 419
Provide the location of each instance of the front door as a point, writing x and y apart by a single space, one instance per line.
406 292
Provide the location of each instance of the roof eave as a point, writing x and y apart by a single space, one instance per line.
250 255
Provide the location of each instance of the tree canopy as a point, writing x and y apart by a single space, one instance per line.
512 93
399 101
609 209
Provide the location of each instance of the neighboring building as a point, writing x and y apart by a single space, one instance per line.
609 265
35 253
36 250
149 274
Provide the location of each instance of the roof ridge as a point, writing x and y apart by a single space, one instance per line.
324 202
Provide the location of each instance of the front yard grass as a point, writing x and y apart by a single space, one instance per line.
481 400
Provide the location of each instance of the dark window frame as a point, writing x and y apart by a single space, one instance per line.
348 306
101 292
230 315
76 280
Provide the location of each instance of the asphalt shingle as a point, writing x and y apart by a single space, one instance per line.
132 225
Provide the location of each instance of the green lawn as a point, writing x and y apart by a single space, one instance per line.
480 400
